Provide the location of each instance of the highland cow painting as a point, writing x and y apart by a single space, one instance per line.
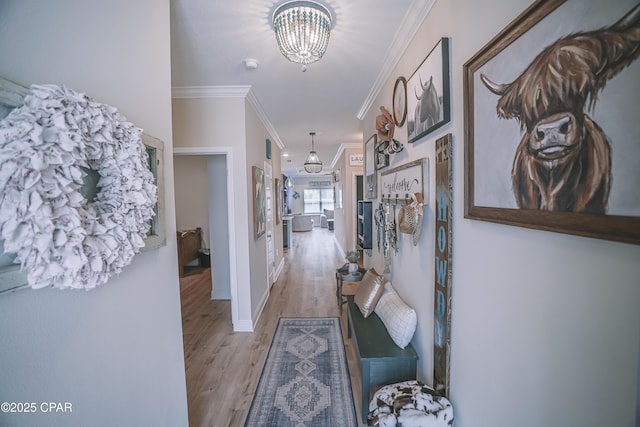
428 102
552 136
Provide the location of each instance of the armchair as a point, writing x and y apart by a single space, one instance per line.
301 223
326 218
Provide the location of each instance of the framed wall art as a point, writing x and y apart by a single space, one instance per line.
399 183
279 200
259 209
382 158
399 103
428 93
547 145
443 265
356 159
12 276
370 173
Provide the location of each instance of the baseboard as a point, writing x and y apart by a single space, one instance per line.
263 302
278 271
243 326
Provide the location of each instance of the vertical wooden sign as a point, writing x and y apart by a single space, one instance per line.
443 253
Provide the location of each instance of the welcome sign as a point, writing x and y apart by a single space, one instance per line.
403 181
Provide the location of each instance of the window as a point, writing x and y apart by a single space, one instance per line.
316 200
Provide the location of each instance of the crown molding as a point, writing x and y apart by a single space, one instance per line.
240 91
341 149
189 92
252 99
407 30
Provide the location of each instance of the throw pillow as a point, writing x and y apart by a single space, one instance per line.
369 292
399 319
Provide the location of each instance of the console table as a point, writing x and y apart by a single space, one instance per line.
342 275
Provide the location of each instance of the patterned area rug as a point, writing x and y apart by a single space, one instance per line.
305 380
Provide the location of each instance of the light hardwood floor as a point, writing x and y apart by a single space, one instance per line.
223 367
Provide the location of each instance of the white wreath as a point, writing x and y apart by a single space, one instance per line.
59 237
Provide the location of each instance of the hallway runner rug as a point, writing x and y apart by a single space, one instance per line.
305 380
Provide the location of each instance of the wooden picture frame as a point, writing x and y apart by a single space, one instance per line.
428 93
506 177
157 236
370 172
11 276
399 102
443 264
259 206
397 185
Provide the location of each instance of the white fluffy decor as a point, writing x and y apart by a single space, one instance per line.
47 145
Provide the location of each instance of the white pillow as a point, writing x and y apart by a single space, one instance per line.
399 319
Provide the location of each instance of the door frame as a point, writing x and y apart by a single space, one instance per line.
233 262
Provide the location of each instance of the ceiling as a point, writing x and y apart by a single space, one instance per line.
210 39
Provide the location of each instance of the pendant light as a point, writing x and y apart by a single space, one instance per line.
313 163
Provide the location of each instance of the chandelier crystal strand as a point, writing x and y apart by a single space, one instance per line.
302 31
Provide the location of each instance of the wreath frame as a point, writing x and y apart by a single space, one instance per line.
60 238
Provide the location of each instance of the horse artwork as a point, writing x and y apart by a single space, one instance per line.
551 129
563 161
428 93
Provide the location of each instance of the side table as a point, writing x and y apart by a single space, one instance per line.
342 275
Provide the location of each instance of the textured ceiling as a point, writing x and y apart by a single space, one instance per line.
210 39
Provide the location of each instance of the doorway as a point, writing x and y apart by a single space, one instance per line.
218 198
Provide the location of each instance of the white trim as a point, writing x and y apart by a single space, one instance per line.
354 223
201 151
242 326
240 91
407 30
263 303
270 247
252 99
341 149
187 92
238 325
279 269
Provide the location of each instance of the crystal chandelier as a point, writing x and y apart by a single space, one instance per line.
302 30
313 163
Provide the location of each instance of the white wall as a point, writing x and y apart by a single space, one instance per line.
345 218
192 194
219 216
257 135
231 121
115 353
219 122
545 326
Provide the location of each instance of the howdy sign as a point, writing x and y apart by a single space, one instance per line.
443 253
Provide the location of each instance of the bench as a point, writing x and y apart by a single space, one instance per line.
381 360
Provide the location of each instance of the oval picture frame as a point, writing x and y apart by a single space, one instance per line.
399 102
